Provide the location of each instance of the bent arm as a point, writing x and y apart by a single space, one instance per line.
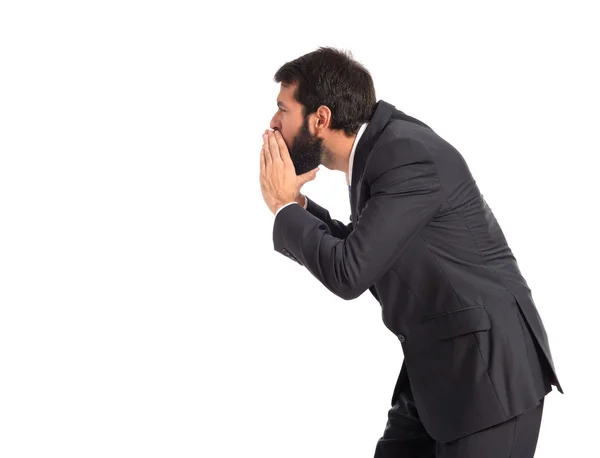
405 196
337 228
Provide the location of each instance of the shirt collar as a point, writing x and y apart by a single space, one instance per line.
356 140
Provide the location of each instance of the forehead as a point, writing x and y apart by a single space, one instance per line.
286 95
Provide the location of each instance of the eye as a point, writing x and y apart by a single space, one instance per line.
282 110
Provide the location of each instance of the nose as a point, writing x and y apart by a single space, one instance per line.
275 123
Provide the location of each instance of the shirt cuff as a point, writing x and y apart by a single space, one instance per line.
283 206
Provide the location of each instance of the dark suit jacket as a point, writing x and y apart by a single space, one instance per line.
425 243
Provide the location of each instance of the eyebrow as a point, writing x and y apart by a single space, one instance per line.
281 104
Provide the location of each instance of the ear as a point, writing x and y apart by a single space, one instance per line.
322 119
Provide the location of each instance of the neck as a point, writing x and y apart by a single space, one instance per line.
340 146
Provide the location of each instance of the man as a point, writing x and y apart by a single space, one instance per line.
477 363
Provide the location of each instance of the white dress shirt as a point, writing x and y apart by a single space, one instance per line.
348 175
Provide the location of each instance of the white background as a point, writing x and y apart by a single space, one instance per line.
143 310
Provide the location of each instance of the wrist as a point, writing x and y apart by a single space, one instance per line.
278 207
301 200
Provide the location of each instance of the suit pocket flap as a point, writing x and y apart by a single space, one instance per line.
457 323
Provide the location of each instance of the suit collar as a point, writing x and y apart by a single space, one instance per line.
380 119
361 130
383 114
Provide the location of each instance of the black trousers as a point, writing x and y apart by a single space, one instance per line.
405 437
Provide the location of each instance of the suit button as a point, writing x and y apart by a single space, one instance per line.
401 338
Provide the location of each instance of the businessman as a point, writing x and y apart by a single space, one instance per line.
421 238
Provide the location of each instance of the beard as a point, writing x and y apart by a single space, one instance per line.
306 151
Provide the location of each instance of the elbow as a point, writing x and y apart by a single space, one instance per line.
349 297
345 278
349 292
347 284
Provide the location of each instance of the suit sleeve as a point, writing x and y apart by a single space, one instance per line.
404 196
336 228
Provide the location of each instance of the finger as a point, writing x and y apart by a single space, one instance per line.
267 153
262 161
308 176
274 147
283 150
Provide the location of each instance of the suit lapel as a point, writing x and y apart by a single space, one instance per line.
381 117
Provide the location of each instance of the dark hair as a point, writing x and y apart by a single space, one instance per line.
333 78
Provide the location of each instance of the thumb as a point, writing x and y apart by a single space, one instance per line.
308 176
